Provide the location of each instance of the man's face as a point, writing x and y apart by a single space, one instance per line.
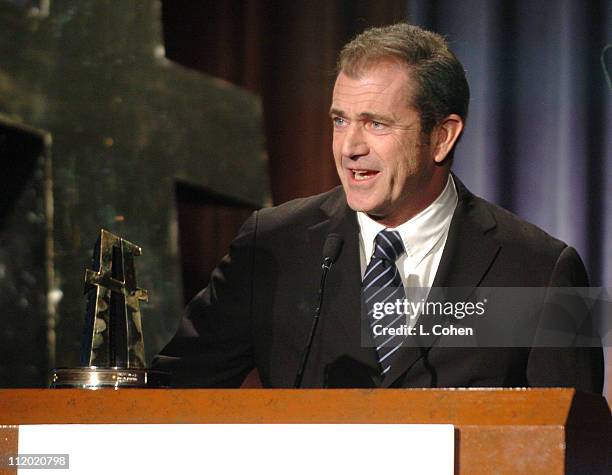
384 162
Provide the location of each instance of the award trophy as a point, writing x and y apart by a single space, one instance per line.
112 354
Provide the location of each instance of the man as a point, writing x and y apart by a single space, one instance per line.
399 106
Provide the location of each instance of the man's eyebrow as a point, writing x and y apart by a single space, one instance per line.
376 117
364 115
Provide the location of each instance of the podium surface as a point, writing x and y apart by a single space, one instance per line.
496 430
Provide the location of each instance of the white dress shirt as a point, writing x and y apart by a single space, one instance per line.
424 237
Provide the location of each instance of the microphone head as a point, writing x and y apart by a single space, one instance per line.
332 246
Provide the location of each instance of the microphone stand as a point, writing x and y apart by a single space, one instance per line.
327 263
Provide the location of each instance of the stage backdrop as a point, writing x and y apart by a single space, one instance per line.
128 141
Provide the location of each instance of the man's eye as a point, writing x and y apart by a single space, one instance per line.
339 121
377 125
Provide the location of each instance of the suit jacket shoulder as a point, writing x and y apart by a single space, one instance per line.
300 212
525 255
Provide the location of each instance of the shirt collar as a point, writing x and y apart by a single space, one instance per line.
420 233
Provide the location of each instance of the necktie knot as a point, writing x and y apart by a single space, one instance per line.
388 245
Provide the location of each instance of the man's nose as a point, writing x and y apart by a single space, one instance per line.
355 144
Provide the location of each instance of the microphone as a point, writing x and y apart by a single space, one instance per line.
331 251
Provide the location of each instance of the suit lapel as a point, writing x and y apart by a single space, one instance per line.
468 252
467 256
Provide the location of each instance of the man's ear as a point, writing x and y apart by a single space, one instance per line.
445 135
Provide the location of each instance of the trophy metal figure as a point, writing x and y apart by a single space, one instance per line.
113 345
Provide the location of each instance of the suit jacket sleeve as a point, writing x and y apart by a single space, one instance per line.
570 366
212 347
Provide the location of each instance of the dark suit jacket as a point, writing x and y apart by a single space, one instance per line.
258 308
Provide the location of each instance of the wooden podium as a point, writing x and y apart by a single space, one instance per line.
550 431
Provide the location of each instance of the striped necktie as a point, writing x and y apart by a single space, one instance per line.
382 284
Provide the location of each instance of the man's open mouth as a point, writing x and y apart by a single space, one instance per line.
361 175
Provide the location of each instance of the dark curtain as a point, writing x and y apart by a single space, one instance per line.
285 51
538 138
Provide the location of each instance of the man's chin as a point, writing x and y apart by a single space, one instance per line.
366 208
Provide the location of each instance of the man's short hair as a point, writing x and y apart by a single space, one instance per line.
441 86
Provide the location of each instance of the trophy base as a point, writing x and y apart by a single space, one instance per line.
93 377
